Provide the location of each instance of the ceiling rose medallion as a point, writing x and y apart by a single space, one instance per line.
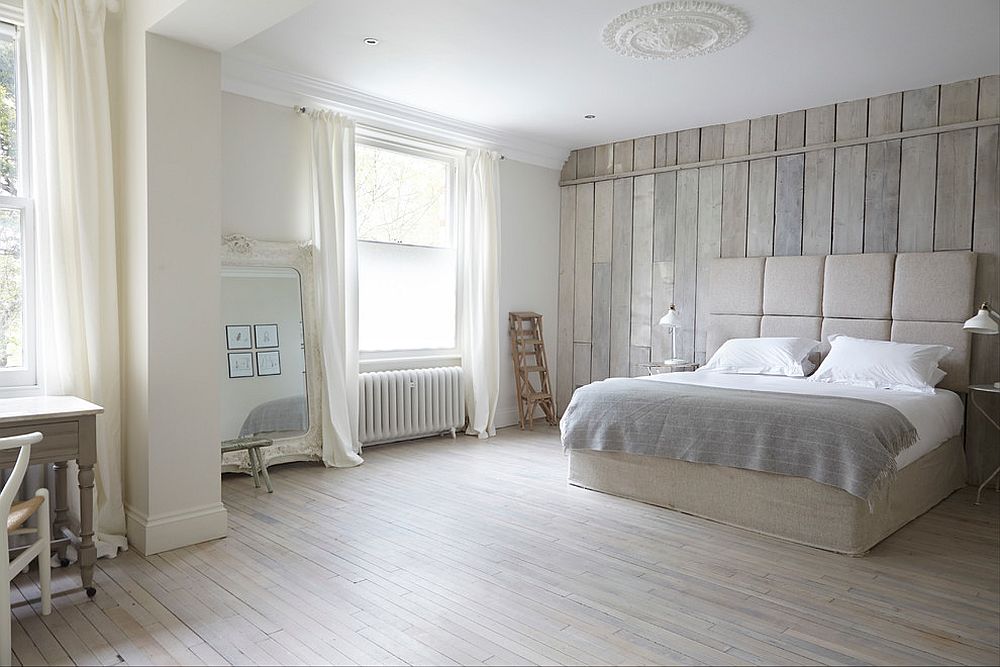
675 30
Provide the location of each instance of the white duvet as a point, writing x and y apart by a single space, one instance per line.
937 417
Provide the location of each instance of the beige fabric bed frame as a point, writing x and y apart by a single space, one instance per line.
912 297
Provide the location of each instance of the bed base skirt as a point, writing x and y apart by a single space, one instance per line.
790 508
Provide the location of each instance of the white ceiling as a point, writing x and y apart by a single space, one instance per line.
535 67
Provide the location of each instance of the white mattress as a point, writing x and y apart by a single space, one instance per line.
938 417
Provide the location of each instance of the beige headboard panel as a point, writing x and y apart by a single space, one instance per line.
911 298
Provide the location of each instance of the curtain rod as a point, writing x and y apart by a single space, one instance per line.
303 110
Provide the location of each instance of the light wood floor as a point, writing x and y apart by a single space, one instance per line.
467 552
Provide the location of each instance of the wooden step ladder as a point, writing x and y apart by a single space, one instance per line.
527 352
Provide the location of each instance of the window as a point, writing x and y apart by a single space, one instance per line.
17 349
407 262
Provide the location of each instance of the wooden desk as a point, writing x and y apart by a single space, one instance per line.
69 427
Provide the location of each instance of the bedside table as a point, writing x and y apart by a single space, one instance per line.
974 390
657 367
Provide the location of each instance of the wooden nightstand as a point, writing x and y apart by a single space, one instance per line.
657 367
973 391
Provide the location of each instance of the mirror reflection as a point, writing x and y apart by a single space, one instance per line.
263 369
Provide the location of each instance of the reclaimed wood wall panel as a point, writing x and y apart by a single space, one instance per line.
621 276
826 179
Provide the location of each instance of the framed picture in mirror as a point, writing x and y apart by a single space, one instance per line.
266 335
238 337
268 363
240 365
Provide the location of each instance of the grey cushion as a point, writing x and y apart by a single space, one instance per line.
934 286
723 327
790 326
956 364
858 286
793 285
737 286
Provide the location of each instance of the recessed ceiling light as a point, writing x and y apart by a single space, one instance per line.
371 41
590 116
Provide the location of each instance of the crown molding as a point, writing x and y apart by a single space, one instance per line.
270 84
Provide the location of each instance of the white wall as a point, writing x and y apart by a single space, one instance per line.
265 176
529 263
265 173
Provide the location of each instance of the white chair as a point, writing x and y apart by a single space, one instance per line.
16 515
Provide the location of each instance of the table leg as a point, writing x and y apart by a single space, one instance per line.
982 486
253 468
263 469
61 508
88 552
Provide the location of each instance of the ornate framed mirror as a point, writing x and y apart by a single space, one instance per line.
270 360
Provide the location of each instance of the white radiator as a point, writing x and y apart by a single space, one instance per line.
399 405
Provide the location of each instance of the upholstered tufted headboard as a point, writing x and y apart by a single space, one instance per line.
909 297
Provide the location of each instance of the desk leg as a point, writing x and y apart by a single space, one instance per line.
61 508
88 552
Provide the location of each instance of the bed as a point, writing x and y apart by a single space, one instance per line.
914 297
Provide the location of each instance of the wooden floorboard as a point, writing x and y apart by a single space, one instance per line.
444 552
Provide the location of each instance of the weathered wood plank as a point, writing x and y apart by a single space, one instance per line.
956 169
584 258
849 199
603 203
621 276
581 364
821 123
737 139
882 197
760 207
989 97
709 246
600 351
663 296
917 184
568 172
664 203
604 160
585 162
638 355
788 205
686 259
735 183
817 203
623 156
643 153
959 102
982 455
852 119
567 269
669 152
763 132
920 108
791 130
712 139
642 259
660 151
688 145
885 114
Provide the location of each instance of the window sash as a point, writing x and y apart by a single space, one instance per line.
450 156
24 376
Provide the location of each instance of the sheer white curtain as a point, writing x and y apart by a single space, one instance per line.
478 278
336 261
73 186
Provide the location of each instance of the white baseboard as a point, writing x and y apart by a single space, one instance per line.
153 535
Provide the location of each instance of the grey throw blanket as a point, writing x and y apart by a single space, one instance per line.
283 414
848 443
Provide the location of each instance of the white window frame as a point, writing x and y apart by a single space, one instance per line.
450 155
24 380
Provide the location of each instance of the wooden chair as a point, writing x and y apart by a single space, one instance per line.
16 515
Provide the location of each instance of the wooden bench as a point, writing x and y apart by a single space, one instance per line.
252 445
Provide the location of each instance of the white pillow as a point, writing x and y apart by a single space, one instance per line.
882 364
764 356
